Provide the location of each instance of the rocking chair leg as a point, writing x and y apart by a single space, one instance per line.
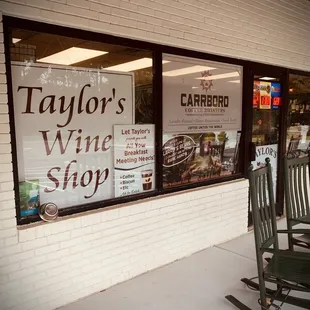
290 237
262 291
290 242
255 286
237 303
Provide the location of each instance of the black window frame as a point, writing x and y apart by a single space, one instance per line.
157 51
285 123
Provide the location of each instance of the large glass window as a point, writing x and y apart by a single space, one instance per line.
298 131
202 107
83 120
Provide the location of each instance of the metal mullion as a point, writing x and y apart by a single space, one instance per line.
158 108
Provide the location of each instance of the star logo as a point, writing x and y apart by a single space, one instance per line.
206 82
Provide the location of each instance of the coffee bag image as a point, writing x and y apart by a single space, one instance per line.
29 194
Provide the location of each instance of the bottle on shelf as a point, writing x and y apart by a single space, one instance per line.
308 135
259 141
297 106
302 107
293 106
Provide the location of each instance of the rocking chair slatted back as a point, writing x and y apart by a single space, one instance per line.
263 208
296 177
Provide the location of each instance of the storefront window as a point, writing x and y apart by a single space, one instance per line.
298 131
83 120
202 107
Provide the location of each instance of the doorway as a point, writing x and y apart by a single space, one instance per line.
268 127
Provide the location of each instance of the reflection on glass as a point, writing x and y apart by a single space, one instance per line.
298 132
71 56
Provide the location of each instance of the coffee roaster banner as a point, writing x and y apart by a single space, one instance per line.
201 96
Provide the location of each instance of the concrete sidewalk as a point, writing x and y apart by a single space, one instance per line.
198 282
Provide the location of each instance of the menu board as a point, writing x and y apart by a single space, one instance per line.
134 159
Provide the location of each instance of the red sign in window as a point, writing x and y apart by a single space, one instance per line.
255 100
276 101
265 102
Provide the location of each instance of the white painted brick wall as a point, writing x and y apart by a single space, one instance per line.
45 266
268 31
49 265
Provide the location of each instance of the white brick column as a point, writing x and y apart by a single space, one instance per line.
7 205
8 230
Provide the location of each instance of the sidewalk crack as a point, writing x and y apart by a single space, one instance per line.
254 260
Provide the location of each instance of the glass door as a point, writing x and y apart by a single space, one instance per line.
266 122
266 127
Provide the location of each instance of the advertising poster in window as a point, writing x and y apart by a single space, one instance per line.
134 159
265 95
191 158
64 121
267 151
275 95
29 197
202 107
200 96
256 94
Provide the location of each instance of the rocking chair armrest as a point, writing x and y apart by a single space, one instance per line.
294 231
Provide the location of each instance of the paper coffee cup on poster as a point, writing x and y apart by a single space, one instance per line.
147 179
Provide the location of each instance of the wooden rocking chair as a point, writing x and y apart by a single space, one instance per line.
296 181
289 270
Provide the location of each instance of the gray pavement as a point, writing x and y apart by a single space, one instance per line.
198 282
